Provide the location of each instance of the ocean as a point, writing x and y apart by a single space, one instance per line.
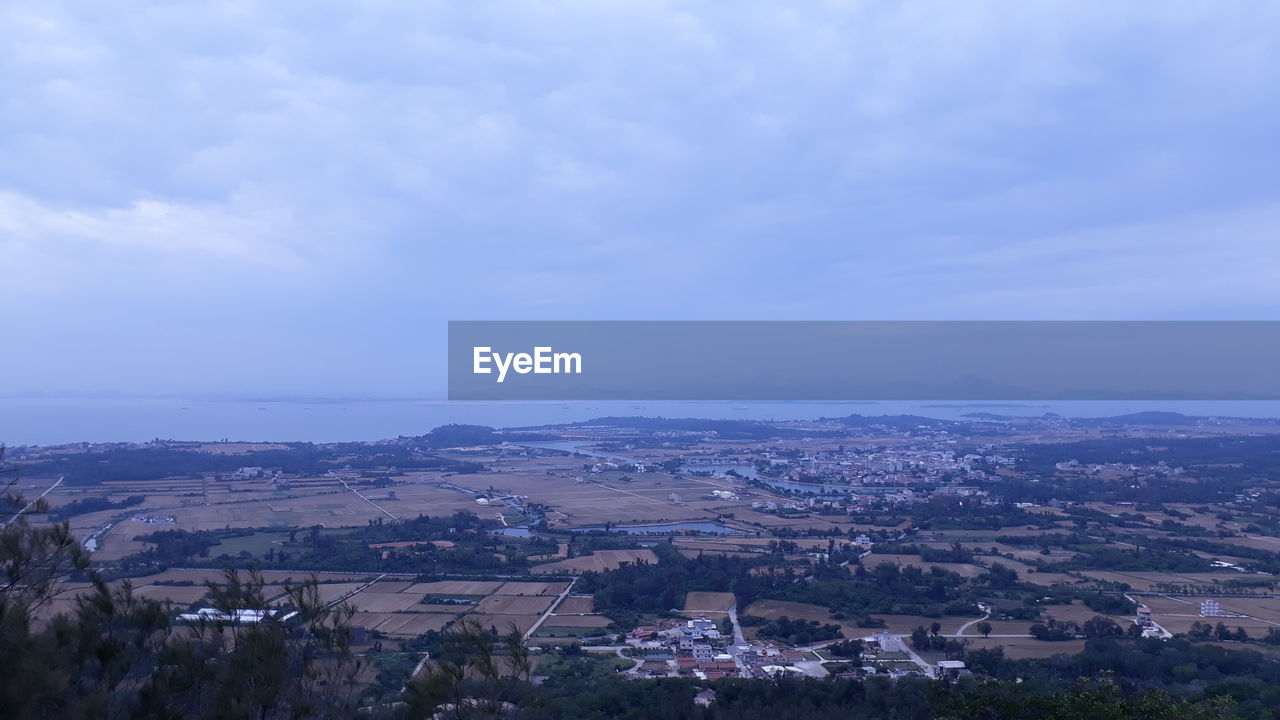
50 421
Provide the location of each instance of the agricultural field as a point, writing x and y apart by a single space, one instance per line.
177 594
1079 613
898 624
1022 648
504 623
709 601
575 604
598 561
456 588
589 622
1000 627
1148 581
396 608
514 605
532 588
1178 614
965 570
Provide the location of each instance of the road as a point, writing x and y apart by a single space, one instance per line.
360 495
33 502
503 576
738 638
739 641
351 594
984 608
928 669
550 610
635 669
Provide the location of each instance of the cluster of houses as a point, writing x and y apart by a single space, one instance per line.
697 648
690 642
1160 468
896 466
155 519
854 502
694 648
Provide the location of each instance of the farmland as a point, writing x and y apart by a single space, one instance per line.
709 602
598 561
578 546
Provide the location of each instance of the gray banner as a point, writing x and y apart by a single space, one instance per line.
725 360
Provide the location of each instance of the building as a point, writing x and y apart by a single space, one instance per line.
240 617
1210 608
1144 616
699 626
889 642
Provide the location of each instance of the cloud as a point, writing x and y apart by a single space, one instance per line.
401 163
152 227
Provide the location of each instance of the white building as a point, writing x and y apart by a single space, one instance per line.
700 625
889 642
242 617
1210 608
1144 616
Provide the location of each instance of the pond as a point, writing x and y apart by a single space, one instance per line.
576 447
747 471
658 529
520 532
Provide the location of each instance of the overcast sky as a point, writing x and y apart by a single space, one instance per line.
293 197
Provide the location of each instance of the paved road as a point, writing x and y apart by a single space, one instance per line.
33 502
534 628
360 495
928 669
738 640
987 608
351 594
634 669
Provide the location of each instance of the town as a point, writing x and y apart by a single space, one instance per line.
842 549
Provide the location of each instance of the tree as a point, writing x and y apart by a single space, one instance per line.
984 628
33 559
470 678
118 655
1096 701
1099 626
955 649
920 638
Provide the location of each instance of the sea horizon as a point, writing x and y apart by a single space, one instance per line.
26 421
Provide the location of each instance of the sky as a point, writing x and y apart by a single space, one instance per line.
293 198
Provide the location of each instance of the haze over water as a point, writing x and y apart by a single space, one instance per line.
50 421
